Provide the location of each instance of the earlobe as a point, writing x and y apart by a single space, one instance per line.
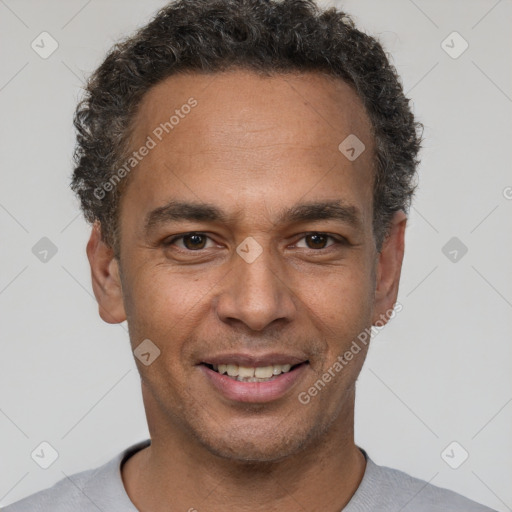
389 267
106 282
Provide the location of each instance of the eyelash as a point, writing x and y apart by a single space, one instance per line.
338 240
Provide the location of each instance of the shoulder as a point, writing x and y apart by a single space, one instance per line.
91 490
67 494
390 490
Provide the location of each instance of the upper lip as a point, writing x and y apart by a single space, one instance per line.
253 361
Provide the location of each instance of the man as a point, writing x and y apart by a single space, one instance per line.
247 167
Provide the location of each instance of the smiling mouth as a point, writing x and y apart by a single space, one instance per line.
253 374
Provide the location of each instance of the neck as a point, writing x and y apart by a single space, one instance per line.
177 470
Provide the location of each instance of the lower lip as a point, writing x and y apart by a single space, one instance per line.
254 392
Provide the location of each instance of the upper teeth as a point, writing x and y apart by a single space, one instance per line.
260 372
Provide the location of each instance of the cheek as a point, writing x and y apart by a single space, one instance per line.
162 304
342 292
340 304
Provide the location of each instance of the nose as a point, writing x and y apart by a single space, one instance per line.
255 294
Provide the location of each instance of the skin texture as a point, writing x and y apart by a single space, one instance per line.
253 147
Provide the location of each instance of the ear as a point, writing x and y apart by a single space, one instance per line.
106 282
389 267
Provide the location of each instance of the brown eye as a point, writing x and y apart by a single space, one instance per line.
316 240
190 242
194 241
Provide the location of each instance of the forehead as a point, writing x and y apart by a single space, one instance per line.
241 100
258 135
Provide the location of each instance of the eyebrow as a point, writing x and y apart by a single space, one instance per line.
204 212
322 210
181 210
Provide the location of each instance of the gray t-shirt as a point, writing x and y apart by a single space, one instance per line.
381 490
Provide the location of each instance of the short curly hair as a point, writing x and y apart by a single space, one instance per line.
265 36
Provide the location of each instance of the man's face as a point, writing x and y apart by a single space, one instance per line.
281 267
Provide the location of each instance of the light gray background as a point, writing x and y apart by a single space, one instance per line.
441 371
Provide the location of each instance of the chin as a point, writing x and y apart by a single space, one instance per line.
256 445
